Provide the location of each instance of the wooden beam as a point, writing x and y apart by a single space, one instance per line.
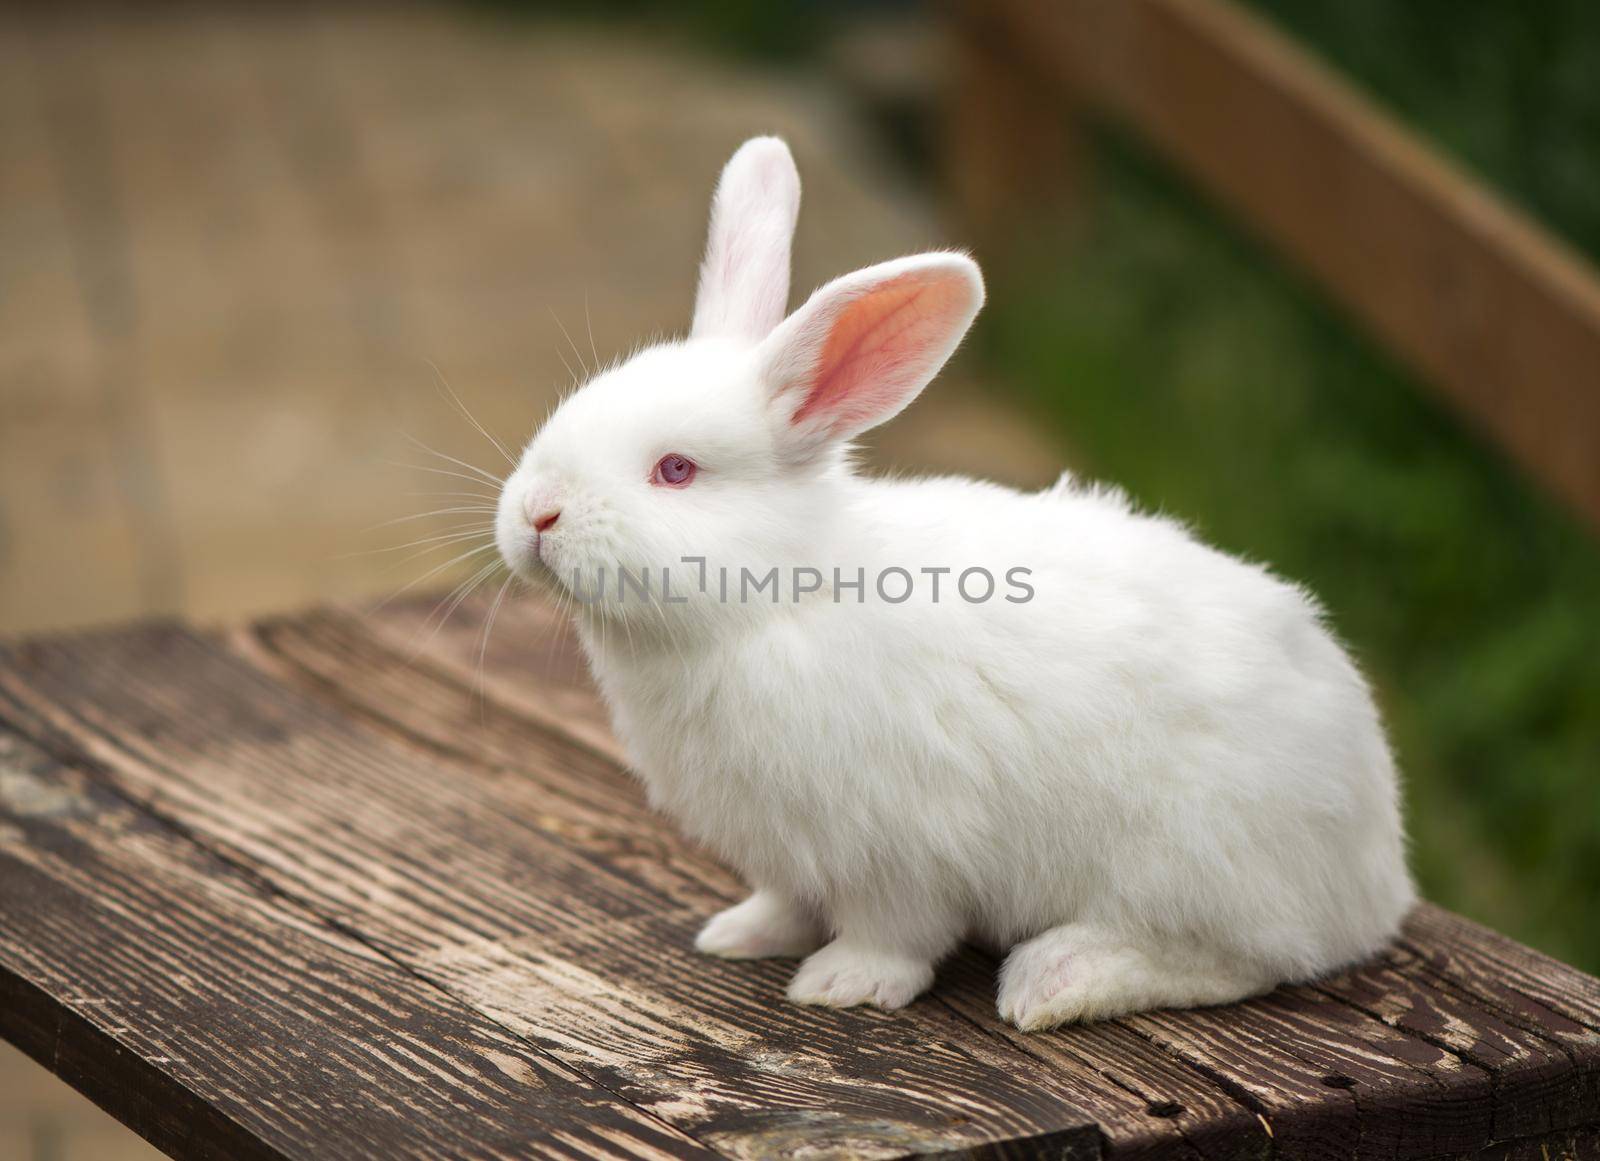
1013 151
298 889
1496 313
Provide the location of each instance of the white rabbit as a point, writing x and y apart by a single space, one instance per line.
1144 767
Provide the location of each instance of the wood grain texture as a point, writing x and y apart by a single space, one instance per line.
1540 988
219 1019
1120 1077
1493 311
460 815
1544 1069
1420 1060
536 910
1572 1145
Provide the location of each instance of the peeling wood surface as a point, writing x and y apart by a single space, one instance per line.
333 885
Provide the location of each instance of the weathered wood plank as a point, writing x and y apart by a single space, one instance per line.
218 1019
1568 1145
1456 1040
1545 1072
530 661
1117 1076
1424 1092
1139 1093
1330 1080
361 665
1528 984
569 930
1496 313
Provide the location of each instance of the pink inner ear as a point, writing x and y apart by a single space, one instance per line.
881 349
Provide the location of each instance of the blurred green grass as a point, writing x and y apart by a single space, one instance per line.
1177 358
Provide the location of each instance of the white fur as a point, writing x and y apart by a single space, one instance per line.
744 280
1161 781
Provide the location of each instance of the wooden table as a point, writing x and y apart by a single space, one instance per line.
322 886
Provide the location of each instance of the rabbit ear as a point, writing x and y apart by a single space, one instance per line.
744 280
863 346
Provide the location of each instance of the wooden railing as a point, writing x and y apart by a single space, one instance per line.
1499 316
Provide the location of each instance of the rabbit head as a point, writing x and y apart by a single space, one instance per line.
724 449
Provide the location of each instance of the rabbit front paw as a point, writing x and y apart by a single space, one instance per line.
764 926
840 976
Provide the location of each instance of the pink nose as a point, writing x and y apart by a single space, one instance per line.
546 521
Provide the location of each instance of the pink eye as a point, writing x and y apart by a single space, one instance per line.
673 471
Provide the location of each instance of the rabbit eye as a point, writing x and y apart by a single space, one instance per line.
673 471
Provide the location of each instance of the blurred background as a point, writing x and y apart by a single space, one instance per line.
240 248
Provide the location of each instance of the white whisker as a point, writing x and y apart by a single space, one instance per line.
489 508
434 571
560 354
446 472
456 495
483 643
470 418
460 593
441 538
421 552
588 325
576 354
484 476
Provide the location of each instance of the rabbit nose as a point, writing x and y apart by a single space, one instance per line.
539 512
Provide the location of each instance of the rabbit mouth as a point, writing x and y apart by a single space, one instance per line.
536 557
526 557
